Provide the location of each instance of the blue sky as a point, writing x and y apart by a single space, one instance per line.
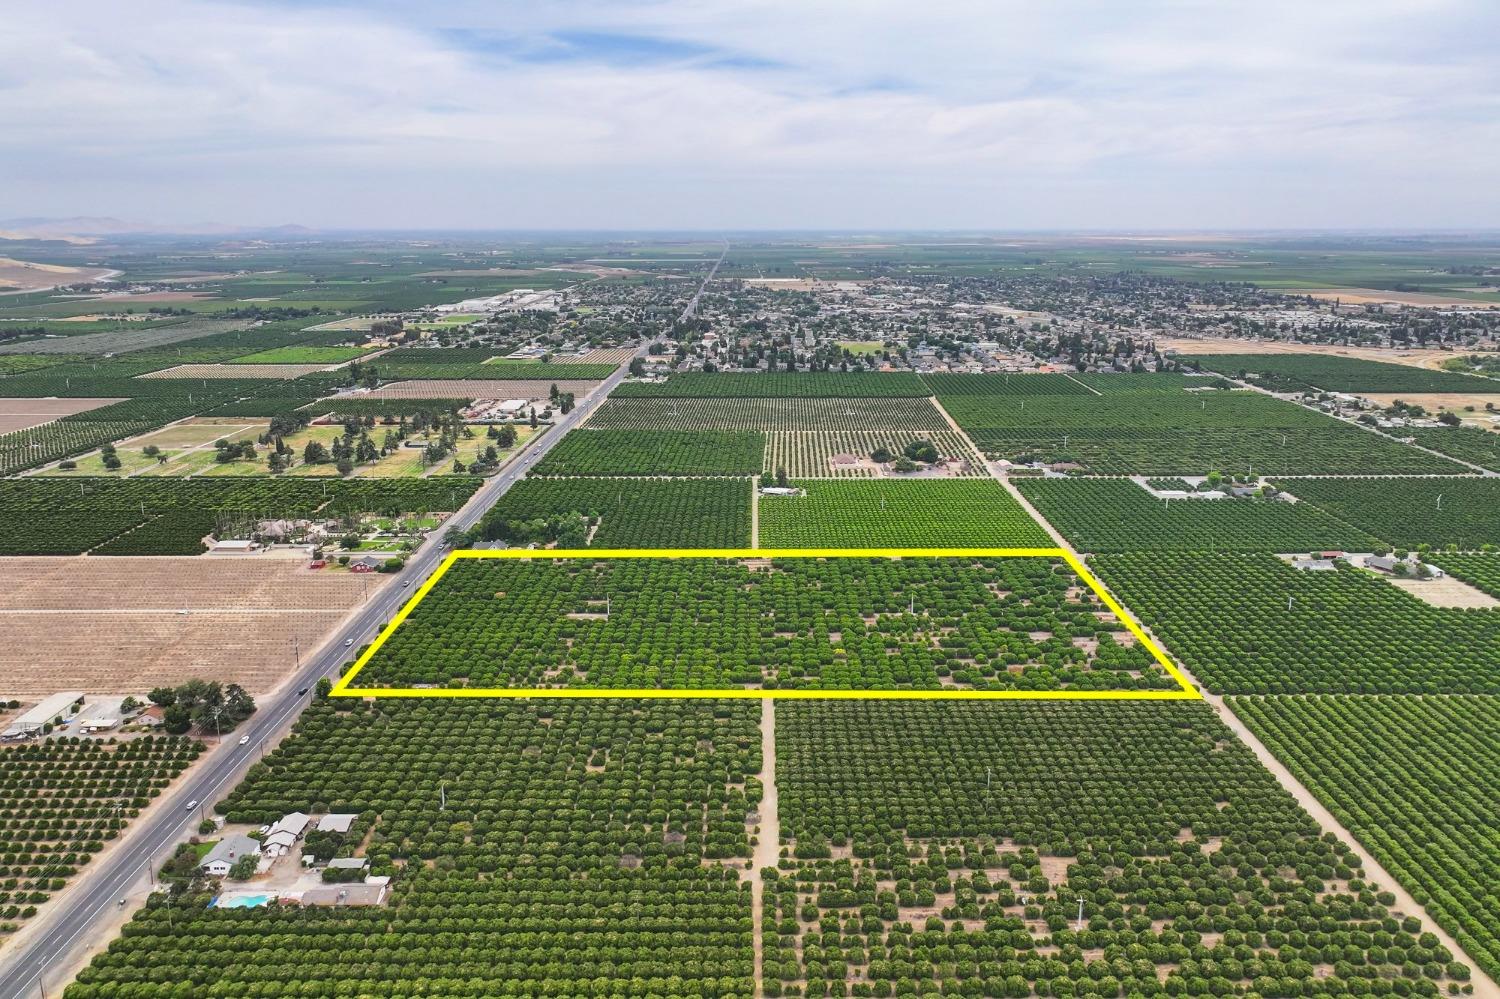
998 114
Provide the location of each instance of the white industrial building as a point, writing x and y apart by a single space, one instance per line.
31 721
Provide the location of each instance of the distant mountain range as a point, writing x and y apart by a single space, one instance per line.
86 229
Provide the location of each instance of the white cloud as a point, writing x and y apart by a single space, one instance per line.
749 113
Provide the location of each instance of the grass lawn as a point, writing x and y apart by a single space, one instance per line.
862 346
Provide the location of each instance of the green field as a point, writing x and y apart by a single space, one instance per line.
894 513
848 624
1253 624
1413 779
1116 515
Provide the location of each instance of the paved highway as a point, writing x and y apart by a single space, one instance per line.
100 887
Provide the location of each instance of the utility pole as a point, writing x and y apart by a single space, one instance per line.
1080 915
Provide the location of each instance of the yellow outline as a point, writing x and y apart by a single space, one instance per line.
1187 692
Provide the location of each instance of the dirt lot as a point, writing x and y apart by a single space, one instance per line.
803 284
1431 359
601 355
115 625
476 388
1446 592
18 414
24 275
1374 296
237 371
1435 402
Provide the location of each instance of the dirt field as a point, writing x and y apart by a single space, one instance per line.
115 625
803 284
1374 296
18 414
1446 592
476 388
1430 359
610 355
1435 402
23 275
237 371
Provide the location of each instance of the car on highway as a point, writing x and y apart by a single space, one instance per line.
348 642
302 691
406 584
244 740
191 805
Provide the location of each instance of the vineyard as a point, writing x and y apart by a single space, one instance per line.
625 513
1253 624
840 415
1411 512
61 800
1116 515
1413 779
655 452
579 854
817 454
777 385
992 624
947 848
917 513
1299 372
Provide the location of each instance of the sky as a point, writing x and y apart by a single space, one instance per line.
751 114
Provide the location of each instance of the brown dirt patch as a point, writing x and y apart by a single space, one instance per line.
114 625
1446 592
1436 402
237 371
18 414
28 276
1431 359
1375 296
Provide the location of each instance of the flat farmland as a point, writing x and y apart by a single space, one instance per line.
843 415
22 414
815 454
701 623
115 626
267 371
477 388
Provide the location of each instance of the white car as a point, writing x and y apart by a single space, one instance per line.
191 805
348 642
244 740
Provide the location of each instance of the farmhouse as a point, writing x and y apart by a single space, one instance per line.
348 864
31 721
217 862
346 895
1314 564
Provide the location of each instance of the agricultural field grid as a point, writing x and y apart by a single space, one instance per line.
1182 691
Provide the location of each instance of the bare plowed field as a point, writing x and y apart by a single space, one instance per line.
18 414
117 626
237 371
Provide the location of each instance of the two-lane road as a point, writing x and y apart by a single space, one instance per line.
102 886
59 932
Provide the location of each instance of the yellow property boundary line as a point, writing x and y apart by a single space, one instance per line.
1186 691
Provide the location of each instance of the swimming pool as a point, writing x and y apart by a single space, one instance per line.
241 902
